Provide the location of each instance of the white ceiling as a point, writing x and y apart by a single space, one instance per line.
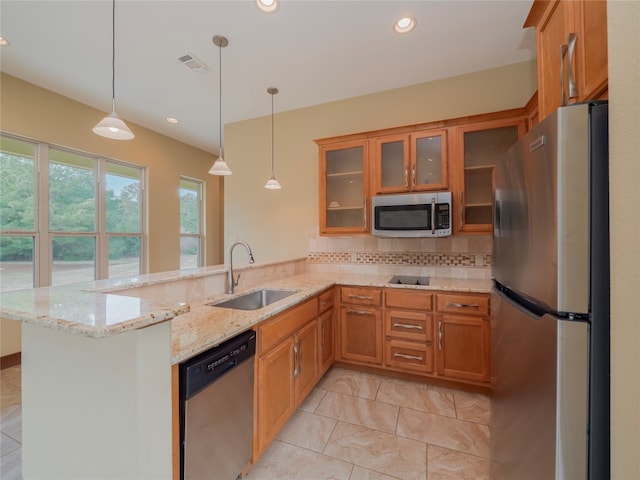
313 51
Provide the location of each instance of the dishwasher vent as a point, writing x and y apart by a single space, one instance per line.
193 63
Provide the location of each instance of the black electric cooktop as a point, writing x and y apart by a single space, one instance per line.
409 280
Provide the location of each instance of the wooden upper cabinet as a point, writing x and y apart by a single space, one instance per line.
571 39
593 62
344 192
477 147
409 162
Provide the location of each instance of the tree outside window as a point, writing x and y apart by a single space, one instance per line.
191 223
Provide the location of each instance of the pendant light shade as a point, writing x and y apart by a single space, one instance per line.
220 167
112 126
272 183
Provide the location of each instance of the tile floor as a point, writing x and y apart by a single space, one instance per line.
361 426
10 424
354 426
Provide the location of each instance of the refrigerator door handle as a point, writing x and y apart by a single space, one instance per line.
527 307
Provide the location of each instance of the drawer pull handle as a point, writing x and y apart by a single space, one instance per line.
406 325
408 357
462 305
440 335
361 297
360 312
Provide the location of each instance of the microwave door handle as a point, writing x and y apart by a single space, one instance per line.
433 216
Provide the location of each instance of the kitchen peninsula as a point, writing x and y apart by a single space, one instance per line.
97 358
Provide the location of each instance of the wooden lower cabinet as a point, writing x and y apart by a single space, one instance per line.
408 330
361 334
275 393
360 330
326 336
306 365
442 335
287 369
463 348
463 336
412 357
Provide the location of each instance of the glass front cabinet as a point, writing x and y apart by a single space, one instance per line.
410 162
344 193
478 146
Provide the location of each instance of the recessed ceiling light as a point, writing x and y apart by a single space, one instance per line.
3 42
268 6
172 120
405 25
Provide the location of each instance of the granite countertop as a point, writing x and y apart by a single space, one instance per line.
102 308
206 326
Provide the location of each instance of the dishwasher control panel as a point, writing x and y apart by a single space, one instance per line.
201 370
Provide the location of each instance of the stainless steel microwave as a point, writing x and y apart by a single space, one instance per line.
411 215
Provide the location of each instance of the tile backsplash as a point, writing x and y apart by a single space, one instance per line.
456 256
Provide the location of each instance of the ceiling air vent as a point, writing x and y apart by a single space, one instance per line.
193 63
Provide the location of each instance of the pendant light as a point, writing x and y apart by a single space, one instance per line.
112 126
220 167
272 183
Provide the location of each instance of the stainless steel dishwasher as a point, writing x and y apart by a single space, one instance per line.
216 410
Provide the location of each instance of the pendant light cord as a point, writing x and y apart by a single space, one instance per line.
272 170
113 54
220 97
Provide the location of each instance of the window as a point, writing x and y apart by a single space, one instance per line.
190 223
124 219
17 214
66 216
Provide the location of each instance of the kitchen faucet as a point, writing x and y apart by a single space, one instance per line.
233 282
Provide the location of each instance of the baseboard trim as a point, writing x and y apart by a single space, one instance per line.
10 360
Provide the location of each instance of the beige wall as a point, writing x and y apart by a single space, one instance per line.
624 128
39 114
274 222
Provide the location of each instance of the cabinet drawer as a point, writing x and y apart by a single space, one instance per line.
463 304
408 298
326 300
409 356
361 296
416 326
274 331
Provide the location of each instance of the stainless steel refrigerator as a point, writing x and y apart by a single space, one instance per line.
550 301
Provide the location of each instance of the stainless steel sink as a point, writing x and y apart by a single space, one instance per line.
255 300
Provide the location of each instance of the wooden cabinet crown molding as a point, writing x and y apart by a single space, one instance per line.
418 127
